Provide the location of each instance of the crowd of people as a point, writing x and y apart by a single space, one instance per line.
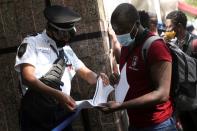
46 65
175 30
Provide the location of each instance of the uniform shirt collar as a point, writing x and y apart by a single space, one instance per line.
48 39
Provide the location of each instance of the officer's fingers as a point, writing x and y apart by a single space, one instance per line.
105 79
68 100
70 108
103 76
71 99
71 102
71 105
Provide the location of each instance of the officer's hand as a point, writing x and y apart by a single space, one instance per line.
114 78
105 79
67 101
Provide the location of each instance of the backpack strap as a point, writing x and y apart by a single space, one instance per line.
147 45
194 45
190 47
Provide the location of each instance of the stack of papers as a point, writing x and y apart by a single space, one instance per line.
102 92
100 96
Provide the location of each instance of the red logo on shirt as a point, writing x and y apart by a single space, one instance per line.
134 63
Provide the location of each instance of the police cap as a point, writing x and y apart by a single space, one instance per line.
61 16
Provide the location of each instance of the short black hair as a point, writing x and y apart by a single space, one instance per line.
144 18
124 15
177 17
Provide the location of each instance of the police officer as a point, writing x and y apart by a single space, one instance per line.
43 106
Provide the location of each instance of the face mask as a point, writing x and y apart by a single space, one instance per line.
170 34
59 43
62 34
125 39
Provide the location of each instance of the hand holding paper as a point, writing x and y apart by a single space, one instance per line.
100 96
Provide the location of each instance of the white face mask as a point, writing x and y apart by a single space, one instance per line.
125 39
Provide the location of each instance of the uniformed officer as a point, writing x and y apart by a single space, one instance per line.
44 106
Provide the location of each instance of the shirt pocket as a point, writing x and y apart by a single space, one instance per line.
43 56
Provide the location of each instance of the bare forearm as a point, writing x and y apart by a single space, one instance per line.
27 73
161 77
145 101
92 78
87 75
39 86
149 100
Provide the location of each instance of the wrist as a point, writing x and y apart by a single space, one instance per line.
58 94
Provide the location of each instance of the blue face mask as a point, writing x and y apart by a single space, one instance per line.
125 39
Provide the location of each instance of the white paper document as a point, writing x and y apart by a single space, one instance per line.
100 96
122 88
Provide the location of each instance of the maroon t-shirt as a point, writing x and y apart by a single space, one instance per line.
139 82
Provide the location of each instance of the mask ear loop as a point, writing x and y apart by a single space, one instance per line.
72 32
132 28
136 32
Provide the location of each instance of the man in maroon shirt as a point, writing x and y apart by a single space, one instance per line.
148 100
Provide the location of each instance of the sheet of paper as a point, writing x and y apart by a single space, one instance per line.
84 104
122 88
100 96
101 93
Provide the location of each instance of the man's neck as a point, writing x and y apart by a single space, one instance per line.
140 31
141 34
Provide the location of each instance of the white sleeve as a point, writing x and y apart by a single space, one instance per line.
72 57
29 55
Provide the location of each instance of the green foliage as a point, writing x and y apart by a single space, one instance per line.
192 2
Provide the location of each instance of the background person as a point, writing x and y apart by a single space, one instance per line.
176 22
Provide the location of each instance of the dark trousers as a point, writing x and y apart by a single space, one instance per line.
41 113
29 124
